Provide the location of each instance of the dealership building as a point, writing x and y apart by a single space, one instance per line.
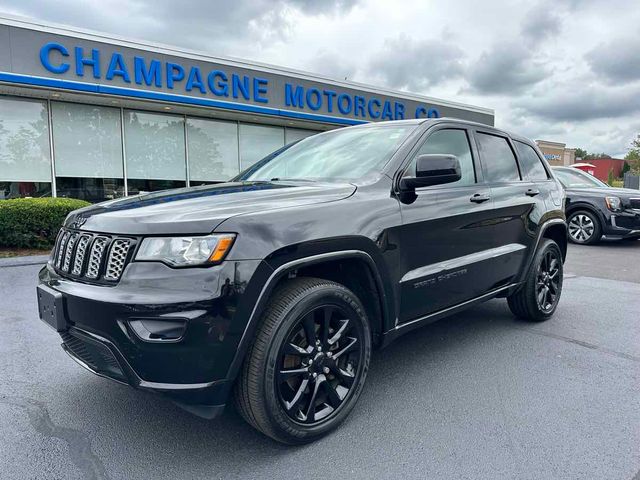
556 153
97 117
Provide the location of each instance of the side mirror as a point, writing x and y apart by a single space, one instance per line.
433 170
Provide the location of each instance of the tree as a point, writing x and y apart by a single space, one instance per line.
581 153
610 177
591 156
633 156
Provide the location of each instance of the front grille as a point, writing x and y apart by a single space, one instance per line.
117 259
96 356
91 257
635 203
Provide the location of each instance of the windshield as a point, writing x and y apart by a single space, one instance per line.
344 154
577 179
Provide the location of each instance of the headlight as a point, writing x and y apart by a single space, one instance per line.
186 251
613 203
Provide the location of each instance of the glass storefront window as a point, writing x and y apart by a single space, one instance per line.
258 141
25 161
155 151
90 189
213 150
24 189
88 151
294 134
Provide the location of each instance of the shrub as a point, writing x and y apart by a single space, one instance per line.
34 222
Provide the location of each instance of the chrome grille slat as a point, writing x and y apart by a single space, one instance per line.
97 251
117 258
67 254
81 251
61 249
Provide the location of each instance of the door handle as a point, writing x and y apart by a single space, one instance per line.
479 198
532 192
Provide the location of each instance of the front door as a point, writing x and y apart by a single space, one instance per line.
445 233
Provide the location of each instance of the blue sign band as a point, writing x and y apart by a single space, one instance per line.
172 98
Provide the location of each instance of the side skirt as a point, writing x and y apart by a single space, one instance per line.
401 329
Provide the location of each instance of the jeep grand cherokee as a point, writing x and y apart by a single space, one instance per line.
270 291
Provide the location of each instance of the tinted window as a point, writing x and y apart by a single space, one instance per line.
530 163
497 159
449 142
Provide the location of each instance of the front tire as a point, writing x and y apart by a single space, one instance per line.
308 363
538 298
584 228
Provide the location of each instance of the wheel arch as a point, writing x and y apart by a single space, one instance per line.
558 233
366 281
554 229
582 205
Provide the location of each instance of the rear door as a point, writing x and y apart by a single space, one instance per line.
444 231
517 205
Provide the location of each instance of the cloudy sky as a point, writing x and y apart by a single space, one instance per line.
563 70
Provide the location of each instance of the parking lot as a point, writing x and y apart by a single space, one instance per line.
479 395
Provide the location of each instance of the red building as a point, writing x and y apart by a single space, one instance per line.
603 165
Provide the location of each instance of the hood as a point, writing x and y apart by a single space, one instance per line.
199 210
605 191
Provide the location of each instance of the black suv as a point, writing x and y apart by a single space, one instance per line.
273 289
593 208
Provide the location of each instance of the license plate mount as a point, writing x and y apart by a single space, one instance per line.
51 309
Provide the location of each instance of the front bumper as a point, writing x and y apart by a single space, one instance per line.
213 302
625 224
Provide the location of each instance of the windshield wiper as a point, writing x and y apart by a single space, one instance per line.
285 179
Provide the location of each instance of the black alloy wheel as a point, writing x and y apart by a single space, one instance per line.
548 280
308 363
318 364
537 299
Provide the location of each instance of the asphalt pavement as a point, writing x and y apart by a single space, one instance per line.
479 395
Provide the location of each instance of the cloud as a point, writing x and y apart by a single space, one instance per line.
331 65
318 7
563 69
505 69
540 23
200 24
585 103
617 60
405 63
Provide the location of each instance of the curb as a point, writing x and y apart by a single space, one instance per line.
23 261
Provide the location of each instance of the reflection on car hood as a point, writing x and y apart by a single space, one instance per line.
199 210
604 191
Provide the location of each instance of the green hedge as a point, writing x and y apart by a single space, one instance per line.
34 222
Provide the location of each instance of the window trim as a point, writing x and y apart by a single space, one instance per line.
504 136
422 139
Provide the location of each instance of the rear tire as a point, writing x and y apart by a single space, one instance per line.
537 299
584 228
308 363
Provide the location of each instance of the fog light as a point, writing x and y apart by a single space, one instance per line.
152 330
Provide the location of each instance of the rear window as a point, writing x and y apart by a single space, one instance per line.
498 159
530 163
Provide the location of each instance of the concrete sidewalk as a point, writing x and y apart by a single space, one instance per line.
22 261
